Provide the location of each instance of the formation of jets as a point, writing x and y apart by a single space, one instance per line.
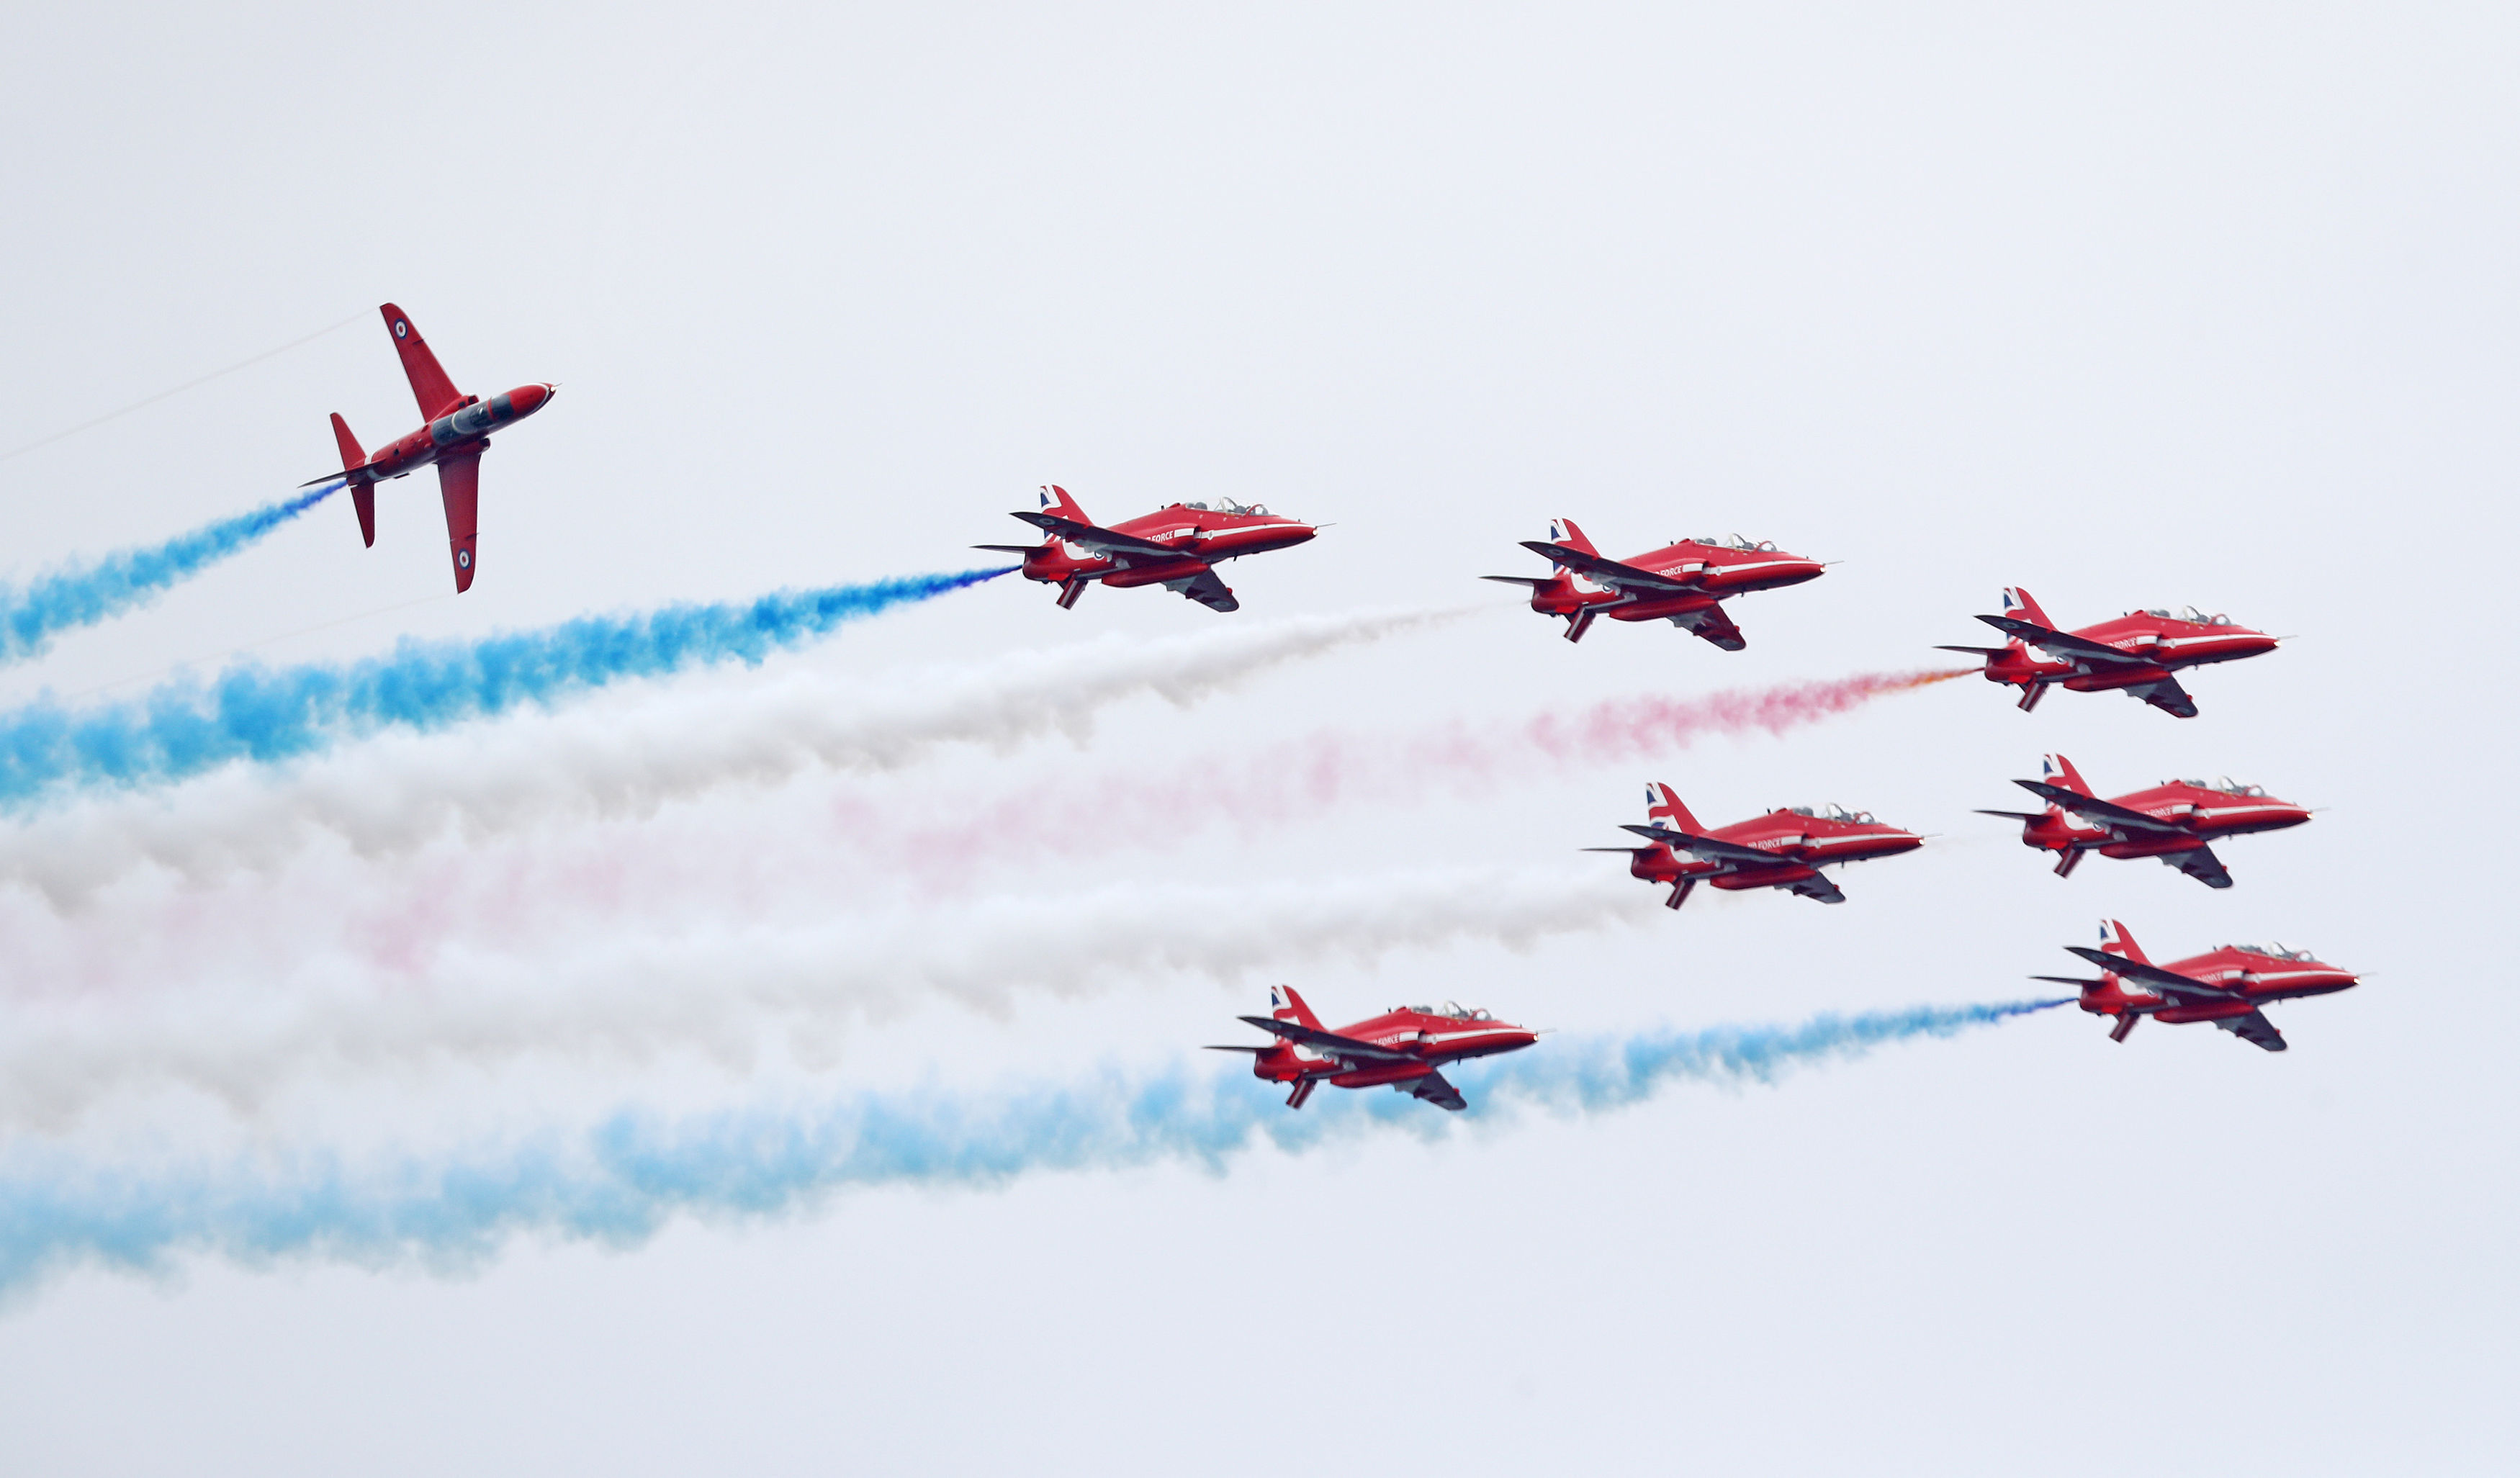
1686 582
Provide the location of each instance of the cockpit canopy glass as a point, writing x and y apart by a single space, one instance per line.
2270 950
2225 786
1831 811
1229 506
1453 1009
1734 542
2189 615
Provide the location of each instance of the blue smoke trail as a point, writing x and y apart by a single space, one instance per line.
83 595
621 1183
258 714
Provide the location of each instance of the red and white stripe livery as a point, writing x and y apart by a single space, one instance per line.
1683 582
1177 546
2135 654
1402 1049
2225 986
1786 848
2174 820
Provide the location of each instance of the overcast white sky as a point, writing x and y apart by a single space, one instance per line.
2131 305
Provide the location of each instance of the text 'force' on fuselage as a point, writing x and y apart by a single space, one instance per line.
1401 1049
2135 654
1683 582
1177 546
457 433
1786 848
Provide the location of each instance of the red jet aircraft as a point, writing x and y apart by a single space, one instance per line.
1683 583
1403 1046
1177 546
2225 986
458 432
1784 849
2136 652
2173 821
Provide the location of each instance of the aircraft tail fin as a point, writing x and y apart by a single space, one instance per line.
363 495
1664 806
1056 501
1564 531
2017 603
2057 770
430 385
1287 1005
2115 940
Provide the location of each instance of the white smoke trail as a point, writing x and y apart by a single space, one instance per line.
724 992
625 757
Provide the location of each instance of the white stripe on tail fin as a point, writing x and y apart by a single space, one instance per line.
1564 531
2018 604
2115 940
1286 1005
2057 770
1663 806
1056 501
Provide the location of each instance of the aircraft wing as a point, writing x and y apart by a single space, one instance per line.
2064 645
1816 886
458 485
1713 626
2169 982
430 387
1438 1090
1331 1041
1208 590
2166 694
1101 540
2124 817
2203 865
2254 1029
1611 572
1712 849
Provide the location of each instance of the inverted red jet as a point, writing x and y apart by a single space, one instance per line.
458 432
2173 821
1784 849
1403 1048
1682 582
2135 654
2224 986
1177 546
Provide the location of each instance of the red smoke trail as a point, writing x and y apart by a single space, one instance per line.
1310 776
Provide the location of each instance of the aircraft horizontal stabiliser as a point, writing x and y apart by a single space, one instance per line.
2175 821
1177 546
2225 985
2135 654
457 433
1786 848
1684 582
1402 1049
